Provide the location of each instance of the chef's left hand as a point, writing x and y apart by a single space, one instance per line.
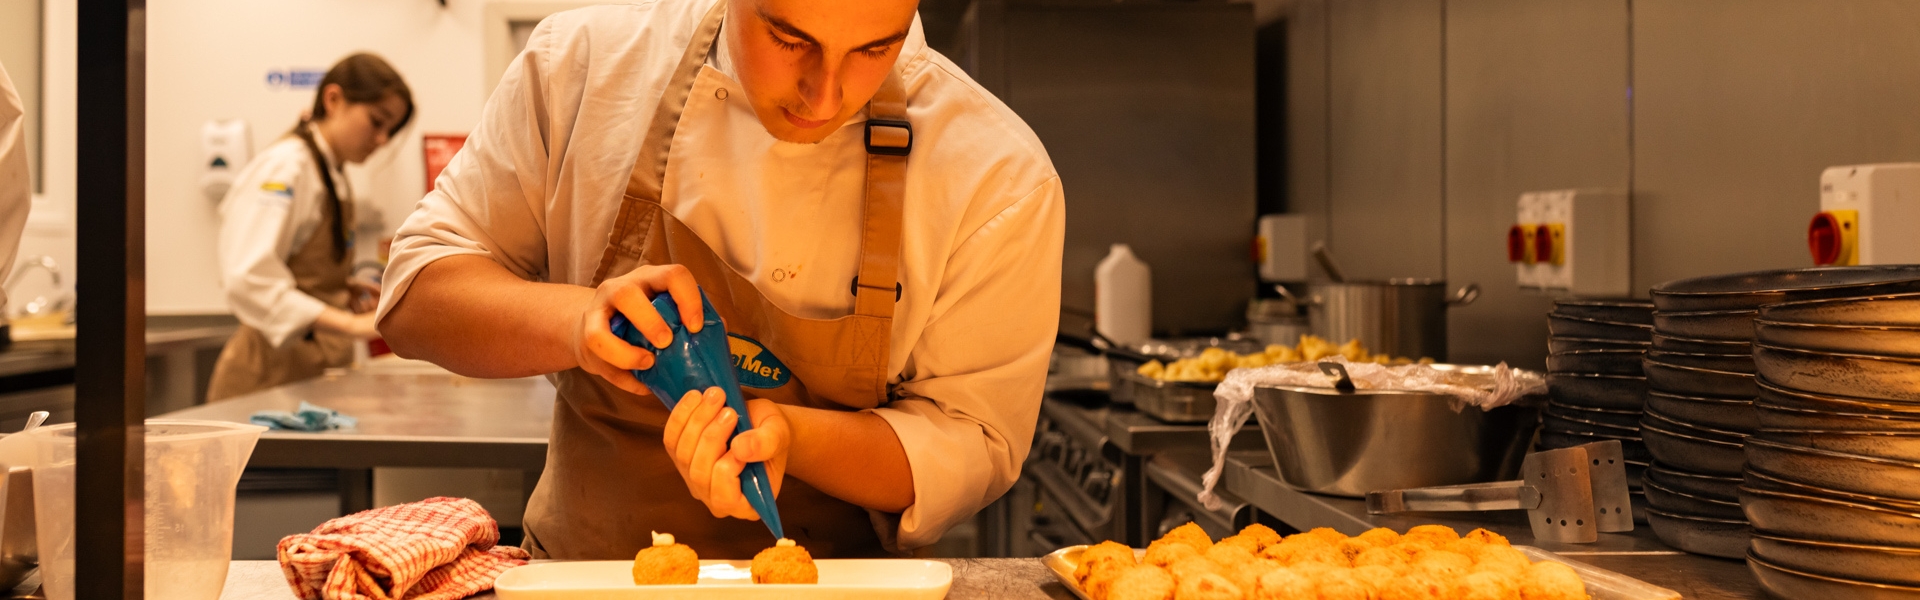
697 434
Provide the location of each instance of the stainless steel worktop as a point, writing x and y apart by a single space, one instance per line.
1250 475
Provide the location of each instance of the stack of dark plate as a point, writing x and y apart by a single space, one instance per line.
1833 475
1702 389
1594 377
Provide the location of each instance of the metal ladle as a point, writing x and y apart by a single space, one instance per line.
1325 258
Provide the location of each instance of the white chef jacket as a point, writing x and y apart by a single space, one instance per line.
16 183
275 206
537 186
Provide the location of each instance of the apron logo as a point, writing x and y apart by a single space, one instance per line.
756 367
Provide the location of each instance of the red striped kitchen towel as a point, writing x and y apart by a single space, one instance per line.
434 549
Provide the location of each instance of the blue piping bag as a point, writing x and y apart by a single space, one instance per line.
698 361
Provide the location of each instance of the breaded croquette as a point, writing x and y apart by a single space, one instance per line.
1242 542
1164 553
1143 582
1375 576
1189 568
1416 585
1190 534
1098 555
1285 584
1329 534
1261 534
785 562
1482 535
666 563
1247 574
1503 560
1342 584
1380 537
1439 535
1443 564
1389 557
1227 556
1548 580
1295 550
1486 585
1352 547
1207 587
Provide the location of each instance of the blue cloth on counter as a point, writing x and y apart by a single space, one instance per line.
308 418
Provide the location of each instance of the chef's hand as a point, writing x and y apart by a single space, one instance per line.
366 294
602 353
696 437
360 326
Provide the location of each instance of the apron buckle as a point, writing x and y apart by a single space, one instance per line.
855 288
889 137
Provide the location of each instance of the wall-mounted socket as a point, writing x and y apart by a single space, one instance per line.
1574 242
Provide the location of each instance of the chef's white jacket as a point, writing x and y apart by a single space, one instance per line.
540 179
275 206
16 183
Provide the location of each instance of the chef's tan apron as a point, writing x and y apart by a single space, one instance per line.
608 479
250 363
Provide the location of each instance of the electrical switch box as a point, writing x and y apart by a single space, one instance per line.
1869 215
1281 248
1575 242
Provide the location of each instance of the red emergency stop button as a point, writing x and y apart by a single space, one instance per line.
1832 237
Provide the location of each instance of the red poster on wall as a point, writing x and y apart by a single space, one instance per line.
439 149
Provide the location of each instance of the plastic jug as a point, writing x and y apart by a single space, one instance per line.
193 470
1123 297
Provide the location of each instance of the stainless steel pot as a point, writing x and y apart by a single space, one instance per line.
1401 317
1348 444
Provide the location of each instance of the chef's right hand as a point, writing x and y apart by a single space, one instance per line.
602 353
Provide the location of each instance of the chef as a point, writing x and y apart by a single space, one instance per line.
881 236
286 235
16 184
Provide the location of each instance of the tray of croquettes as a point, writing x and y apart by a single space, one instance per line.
669 570
1429 562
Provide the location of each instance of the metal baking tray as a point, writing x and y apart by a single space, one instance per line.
1170 401
1601 583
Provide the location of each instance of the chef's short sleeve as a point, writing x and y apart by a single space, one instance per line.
970 396
487 201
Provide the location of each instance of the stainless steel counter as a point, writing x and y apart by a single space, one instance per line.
1251 475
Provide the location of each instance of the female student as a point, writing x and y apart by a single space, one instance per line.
286 235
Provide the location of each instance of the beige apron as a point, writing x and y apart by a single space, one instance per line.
250 363
608 479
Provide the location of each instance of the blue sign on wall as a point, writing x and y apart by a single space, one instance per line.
295 79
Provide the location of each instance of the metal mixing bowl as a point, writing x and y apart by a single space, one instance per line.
1348 444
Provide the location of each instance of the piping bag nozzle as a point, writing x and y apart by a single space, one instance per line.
697 361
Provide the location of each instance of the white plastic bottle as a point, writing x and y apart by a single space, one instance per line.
1123 297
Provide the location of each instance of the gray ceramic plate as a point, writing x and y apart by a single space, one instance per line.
1724 538
1737 291
1853 473
1810 517
1727 325
1690 452
1704 383
1783 582
1878 564
1598 391
1716 413
1873 378
1670 343
1717 487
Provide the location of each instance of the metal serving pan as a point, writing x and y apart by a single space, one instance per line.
1884 340
1705 383
1731 325
1812 517
1744 291
1597 362
1670 343
1785 582
1561 345
1864 562
1170 401
1625 310
1685 448
1738 363
1897 445
1347 444
1893 309
1840 471
1714 413
1858 375
1598 391
1622 419
1726 489
1559 326
1725 538
1678 502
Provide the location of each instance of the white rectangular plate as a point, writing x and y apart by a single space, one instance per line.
1601 583
858 579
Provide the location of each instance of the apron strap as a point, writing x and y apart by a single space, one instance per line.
889 139
650 169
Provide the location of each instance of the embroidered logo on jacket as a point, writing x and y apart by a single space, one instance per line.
756 367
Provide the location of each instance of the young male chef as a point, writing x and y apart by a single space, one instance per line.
880 234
